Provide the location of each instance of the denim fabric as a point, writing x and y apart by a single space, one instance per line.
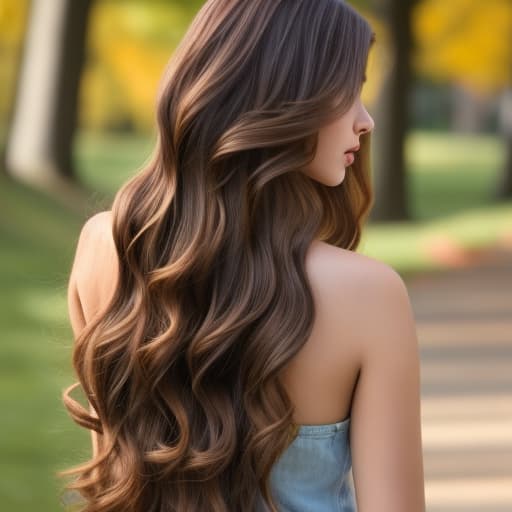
313 474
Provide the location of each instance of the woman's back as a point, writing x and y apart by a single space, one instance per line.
356 300
322 376
354 384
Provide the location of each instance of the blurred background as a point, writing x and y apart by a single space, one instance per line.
78 80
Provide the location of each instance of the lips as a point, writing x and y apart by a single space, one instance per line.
350 155
353 150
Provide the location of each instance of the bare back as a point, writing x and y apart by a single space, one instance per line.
321 379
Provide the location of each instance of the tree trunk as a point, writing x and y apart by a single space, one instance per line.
504 187
12 100
39 141
391 123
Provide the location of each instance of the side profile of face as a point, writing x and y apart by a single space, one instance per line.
335 141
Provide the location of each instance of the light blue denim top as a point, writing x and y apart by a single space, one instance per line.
313 473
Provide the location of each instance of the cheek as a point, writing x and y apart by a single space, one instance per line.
328 164
330 147
337 137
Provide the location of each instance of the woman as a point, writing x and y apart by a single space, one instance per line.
237 354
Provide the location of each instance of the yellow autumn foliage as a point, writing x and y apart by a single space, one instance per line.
130 42
13 17
468 41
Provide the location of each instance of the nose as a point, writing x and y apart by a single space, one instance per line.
365 122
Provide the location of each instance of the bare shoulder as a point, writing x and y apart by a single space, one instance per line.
95 242
94 270
373 306
331 260
351 290
359 286
371 291
99 226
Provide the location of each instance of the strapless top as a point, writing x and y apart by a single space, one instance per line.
313 473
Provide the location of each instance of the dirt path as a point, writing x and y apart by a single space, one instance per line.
464 325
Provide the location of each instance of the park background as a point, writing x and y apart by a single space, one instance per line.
78 81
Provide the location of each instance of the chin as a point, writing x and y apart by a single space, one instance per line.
338 179
329 180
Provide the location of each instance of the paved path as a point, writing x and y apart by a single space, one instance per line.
464 325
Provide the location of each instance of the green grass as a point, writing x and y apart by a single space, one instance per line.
106 161
37 438
451 173
450 187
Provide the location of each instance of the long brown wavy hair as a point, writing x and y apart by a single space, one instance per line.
183 365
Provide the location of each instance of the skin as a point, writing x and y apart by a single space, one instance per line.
329 165
364 353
